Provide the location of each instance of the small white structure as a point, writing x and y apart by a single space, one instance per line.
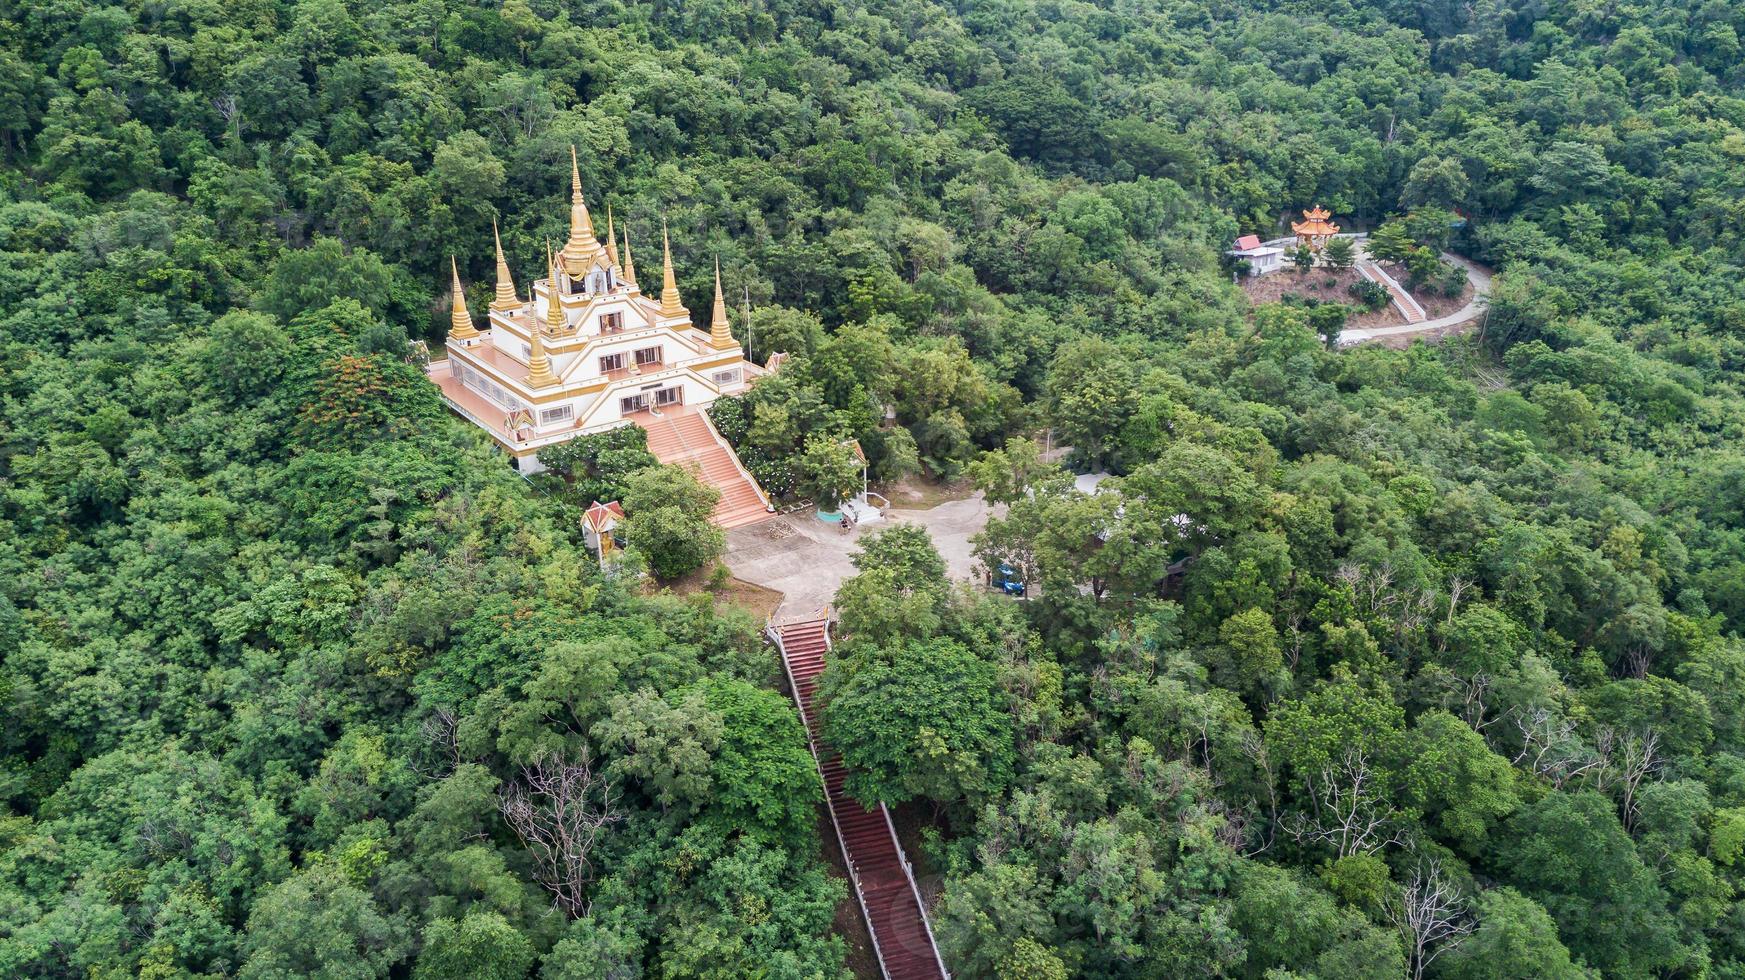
1261 259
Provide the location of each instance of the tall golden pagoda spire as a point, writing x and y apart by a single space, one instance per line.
582 245
611 240
669 287
629 263
460 322
506 299
720 335
538 363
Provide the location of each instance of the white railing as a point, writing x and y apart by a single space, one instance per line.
734 456
775 636
914 889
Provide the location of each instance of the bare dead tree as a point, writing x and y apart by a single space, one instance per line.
1457 587
559 808
1293 640
1551 749
1349 812
1254 747
1378 596
1431 914
1634 763
442 731
1473 691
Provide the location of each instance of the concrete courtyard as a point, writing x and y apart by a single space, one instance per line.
806 559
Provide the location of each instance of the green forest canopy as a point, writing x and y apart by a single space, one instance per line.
293 669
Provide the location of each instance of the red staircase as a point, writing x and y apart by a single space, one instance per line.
883 882
683 437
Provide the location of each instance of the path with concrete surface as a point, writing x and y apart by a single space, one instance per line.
806 559
1481 290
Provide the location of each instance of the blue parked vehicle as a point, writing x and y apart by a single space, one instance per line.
1007 581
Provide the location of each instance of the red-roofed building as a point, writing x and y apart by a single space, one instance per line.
1261 259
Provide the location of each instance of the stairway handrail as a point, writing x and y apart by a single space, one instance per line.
775 636
734 458
915 889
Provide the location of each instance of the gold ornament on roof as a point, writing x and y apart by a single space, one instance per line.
538 363
582 246
669 287
506 299
611 240
460 322
720 335
629 263
554 319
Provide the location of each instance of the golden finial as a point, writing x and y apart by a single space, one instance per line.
582 245
629 263
611 240
506 299
554 306
460 322
538 363
669 287
720 335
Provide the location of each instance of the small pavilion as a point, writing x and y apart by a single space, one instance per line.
1314 231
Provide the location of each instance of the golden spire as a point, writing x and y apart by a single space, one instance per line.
582 245
669 287
554 306
460 322
611 239
538 364
629 263
506 299
720 336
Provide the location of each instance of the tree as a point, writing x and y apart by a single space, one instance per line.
560 807
1389 243
1464 786
1515 939
901 589
1091 394
926 719
830 471
1005 475
318 923
1303 257
483 946
667 511
1569 852
1341 252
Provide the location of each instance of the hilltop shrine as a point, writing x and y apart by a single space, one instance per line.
588 351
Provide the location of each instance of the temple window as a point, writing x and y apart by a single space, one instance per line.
612 362
611 322
562 413
727 377
648 355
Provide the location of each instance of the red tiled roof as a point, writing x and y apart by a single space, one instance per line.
599 515
1247 242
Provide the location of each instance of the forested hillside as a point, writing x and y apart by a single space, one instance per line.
1369 663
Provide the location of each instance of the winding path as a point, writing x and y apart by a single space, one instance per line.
1481 288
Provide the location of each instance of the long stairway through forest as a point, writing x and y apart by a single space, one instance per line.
883 881
684 437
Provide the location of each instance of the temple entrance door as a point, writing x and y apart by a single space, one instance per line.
633 404
667 397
